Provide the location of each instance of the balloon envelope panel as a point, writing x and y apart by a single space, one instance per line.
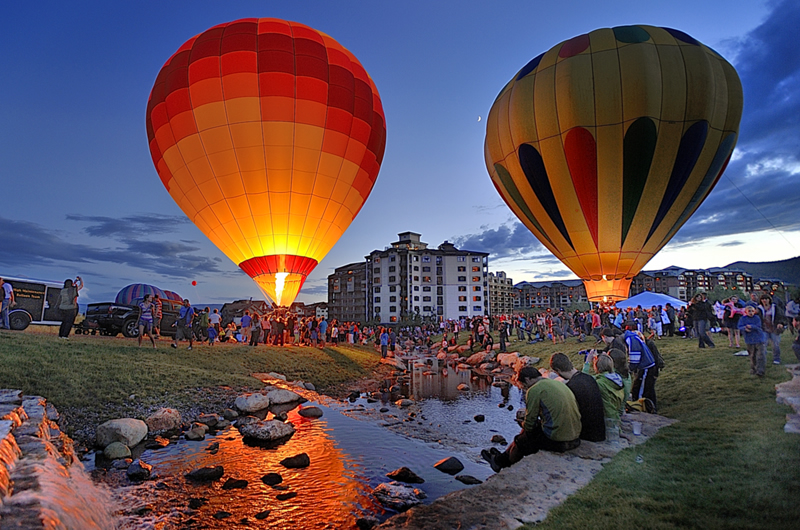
269 135
129 293
605 144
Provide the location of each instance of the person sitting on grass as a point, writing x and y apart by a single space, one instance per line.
610 383
587 394
621 367
754 339
551 421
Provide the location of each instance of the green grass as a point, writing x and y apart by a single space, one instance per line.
726 464
96 375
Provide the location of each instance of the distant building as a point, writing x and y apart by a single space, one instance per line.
318 309
409 280
684 283
501 298
548 295
347 293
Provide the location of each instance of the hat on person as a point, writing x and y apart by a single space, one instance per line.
751 304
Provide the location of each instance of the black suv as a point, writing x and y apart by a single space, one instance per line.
109 318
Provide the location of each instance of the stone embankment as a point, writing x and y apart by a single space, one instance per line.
39 470
788 393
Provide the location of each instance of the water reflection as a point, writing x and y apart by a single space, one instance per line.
348 459
331 492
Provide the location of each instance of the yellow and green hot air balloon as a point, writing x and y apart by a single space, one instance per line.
605 144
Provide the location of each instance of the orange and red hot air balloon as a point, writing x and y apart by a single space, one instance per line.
604 145
269 136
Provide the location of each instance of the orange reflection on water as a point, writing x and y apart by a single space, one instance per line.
331 493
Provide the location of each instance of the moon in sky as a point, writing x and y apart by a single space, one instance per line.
479 118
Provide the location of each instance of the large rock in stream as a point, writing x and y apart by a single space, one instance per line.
251 402
267 430
128 431
398 497
280 396
164 419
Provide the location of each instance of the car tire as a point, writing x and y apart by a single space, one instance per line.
130 328
19 320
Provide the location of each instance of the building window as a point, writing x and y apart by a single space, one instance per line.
476 269
416 298
377 289
426 279
415 258
462 308
392 319
393 299
426 259
440 290
462 288
439 300
476 288
416 278
426 298
426 269
476 298
476 259
376 260
392 268
378 309
462 298
393 309
392 259
462 268
376 270
392 288
376 279
438 260
416 287
462 278
477 308
426 288
416 267
426 308
392 279
474 279
377 299
461 258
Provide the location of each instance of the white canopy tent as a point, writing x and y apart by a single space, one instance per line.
648 299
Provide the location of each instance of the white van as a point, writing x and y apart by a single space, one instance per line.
37 302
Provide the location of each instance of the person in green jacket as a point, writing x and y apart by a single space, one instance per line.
611 387
552 421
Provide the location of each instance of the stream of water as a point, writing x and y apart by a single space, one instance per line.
349 458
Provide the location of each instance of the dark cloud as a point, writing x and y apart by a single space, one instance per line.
759 190
34 245
131 226
506 241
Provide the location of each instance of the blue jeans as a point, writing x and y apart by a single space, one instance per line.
700 327
775 339
4 314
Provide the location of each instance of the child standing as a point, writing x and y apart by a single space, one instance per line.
750 326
